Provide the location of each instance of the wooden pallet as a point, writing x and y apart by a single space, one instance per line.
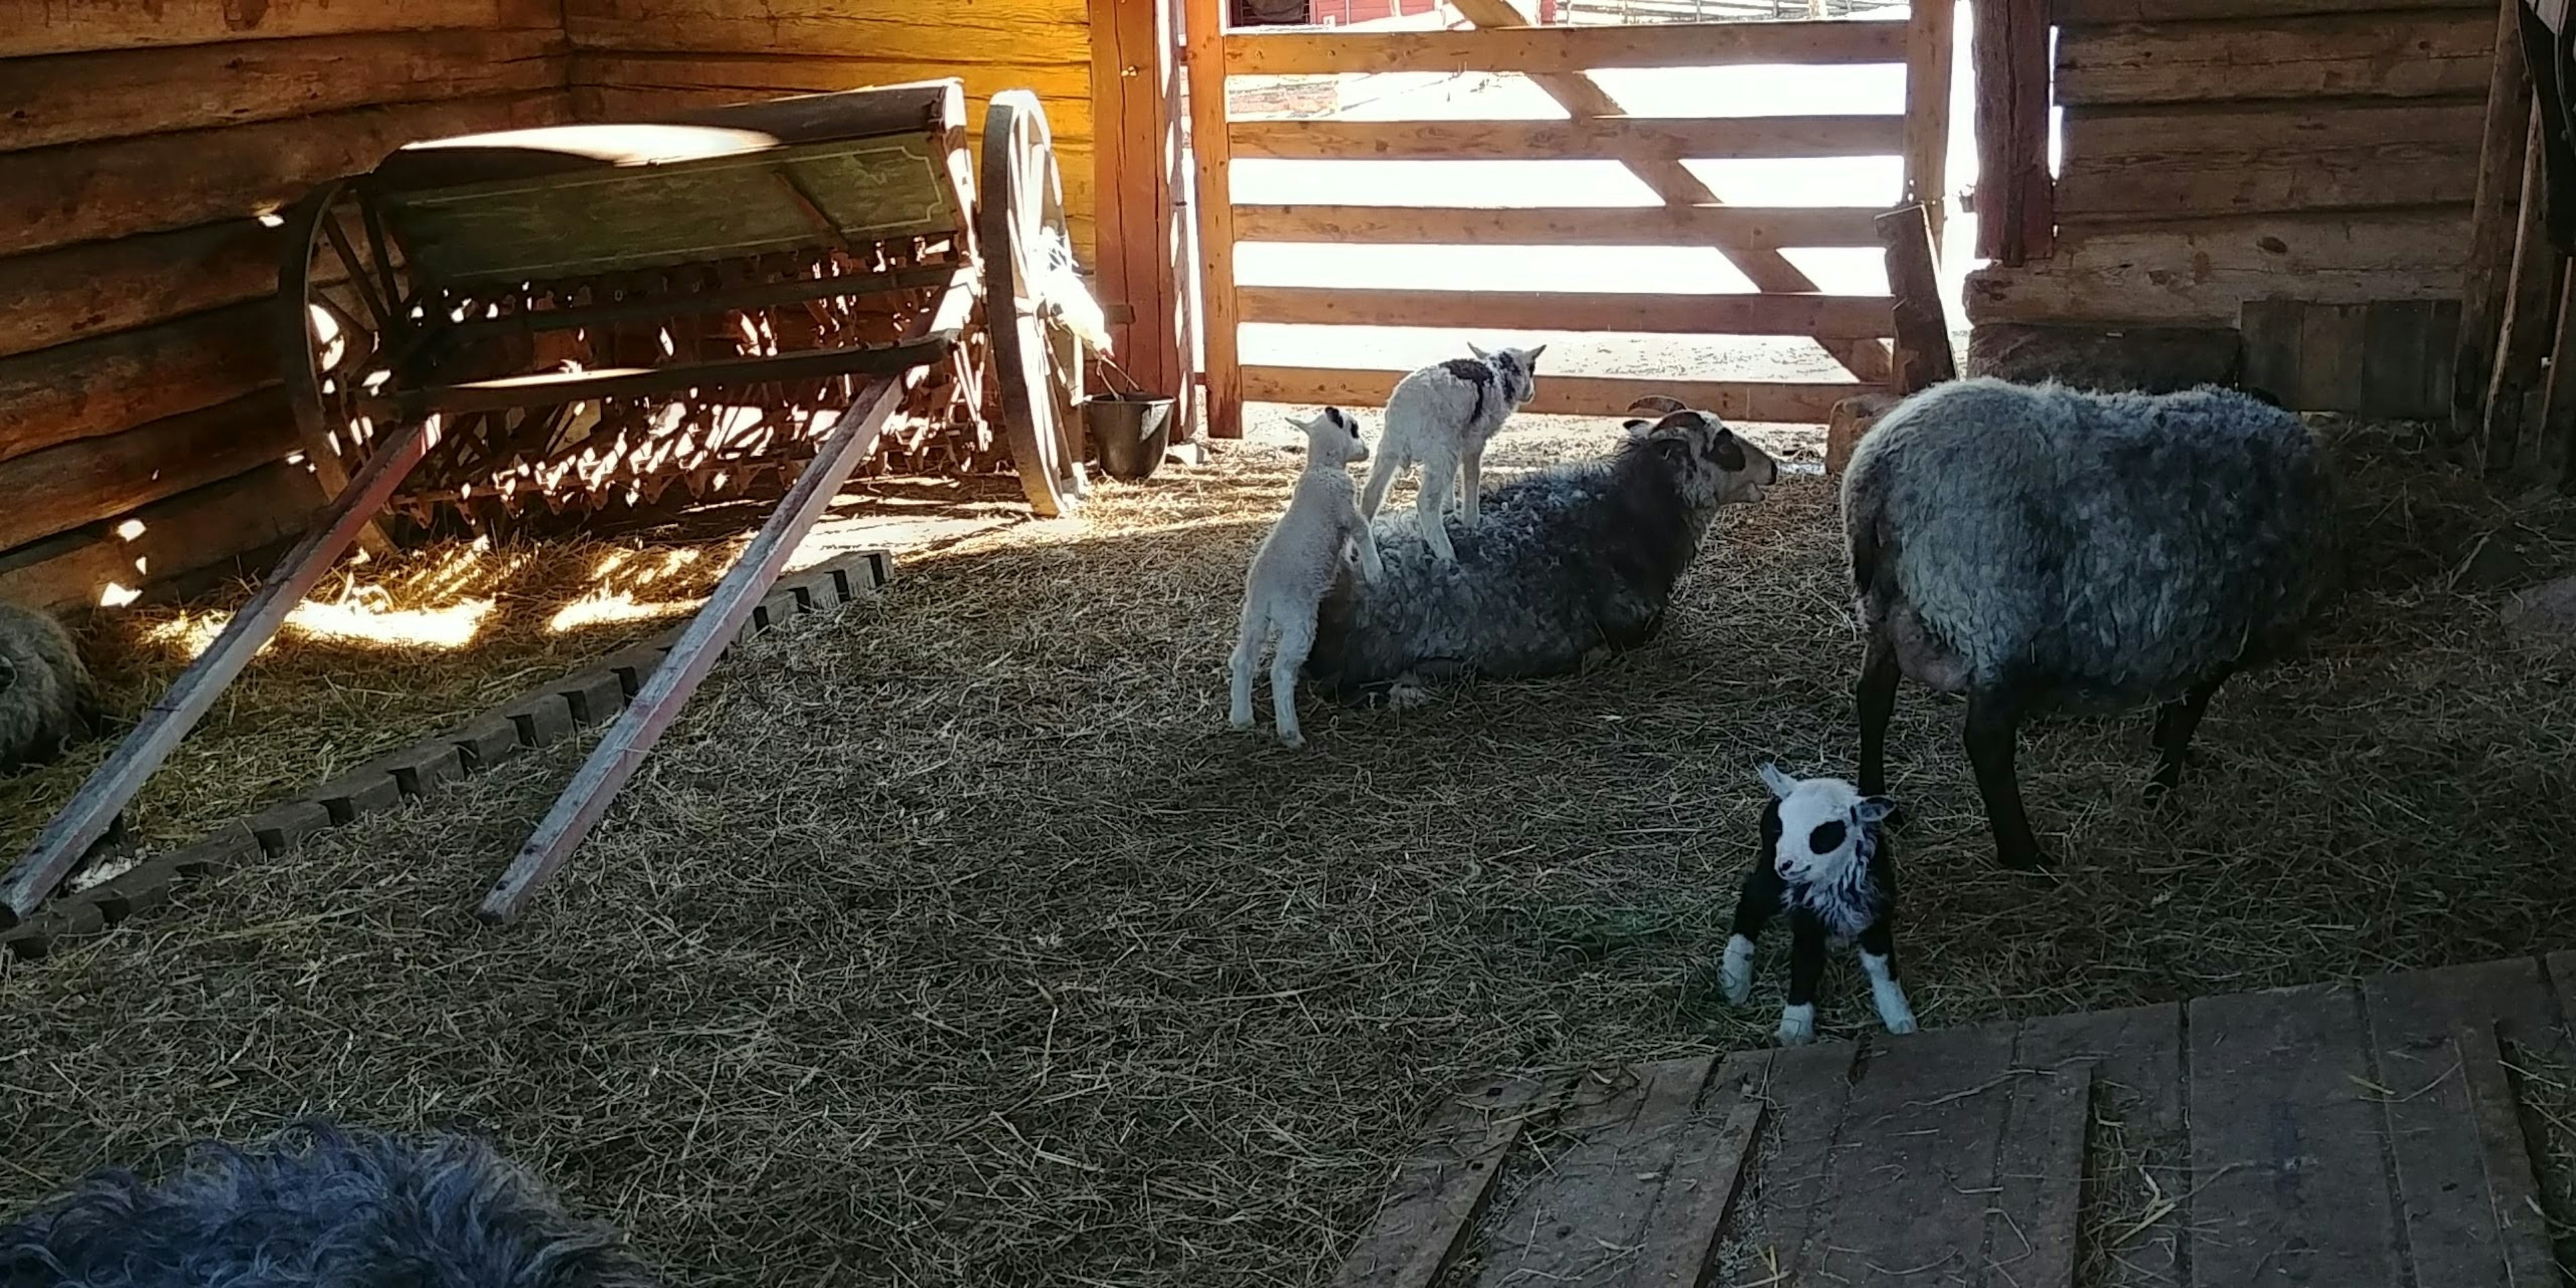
2355 1136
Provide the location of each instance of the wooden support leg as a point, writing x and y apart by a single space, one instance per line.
100 800
2524 336
2489 265
1923 355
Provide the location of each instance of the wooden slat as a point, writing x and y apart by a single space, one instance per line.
96 289
1712 138
634 382
1923 356
1064 87
2016 198
1846 316
2406 358
1010 32
1203 24
1734 227
79 98
81 482
2489 260
1580 1218
2198 272
1756 401
1805 1093
2033 1229
105 386
59 196
2150 163
2525 332
31 27
1143 272
2386 359
1564 49
1443 1187
2136 1055
198 532
1913 1200
2081 13
1697 1186
2376 55
1931 49
2285 1143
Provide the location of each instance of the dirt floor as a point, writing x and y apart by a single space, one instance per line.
955 938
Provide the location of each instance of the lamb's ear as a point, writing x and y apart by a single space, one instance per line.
1532 355
1780 784
1481 355
1875 809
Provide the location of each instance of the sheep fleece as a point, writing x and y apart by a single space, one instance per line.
46 697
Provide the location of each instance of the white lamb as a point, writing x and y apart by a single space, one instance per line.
1442 416
1296 564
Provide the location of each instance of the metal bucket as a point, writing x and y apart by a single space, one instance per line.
1132 432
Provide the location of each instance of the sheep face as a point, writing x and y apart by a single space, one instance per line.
1518 369
1819 824
1713 466
1332 439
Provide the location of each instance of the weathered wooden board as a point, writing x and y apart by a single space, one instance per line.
1578 1222
60 196
2488 262
104 386
1438 1192
2285 1147
1905 1201
2135 1055
2015 194
2197 272
2078 13
2408 55
98 288
1760 401
1640 312
1064 87
2124 164
62 488
80 98
1738 227
2385 359
181 542
1563 49
30 27
919 31
1805 1093
1707 138
1700 1183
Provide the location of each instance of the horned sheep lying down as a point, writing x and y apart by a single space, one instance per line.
1565 562
352 1208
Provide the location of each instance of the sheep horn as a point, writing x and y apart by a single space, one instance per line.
1660 404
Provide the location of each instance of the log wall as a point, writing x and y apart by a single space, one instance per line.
2218 151
143 436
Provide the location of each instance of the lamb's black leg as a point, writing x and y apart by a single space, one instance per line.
2175 724
1753 910
1994 722
1806 971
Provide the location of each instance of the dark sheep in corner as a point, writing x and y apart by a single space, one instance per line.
1565 563
47 700
351 1209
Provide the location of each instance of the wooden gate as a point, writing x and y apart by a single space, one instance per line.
1784 302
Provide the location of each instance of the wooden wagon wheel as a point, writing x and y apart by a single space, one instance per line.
342 300
1037 360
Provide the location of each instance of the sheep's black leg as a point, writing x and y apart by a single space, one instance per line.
1877 703
1753 910
2175 724
1994 721
1806 971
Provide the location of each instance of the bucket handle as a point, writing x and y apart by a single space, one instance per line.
1107 366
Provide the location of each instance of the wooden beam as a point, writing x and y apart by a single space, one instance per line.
170 545
1001 32
2489 266
1754 401
2525 333
99 288
33 27
1931 48
2377 55
2196 272
1923 356
2016 208
1519 47
2094 13
1827 316
1203 24
113 785
2127 164
1740 228
83 481
1610 137
1139 129
108 385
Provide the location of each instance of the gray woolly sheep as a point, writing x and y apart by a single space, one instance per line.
46 697
1566 562
2041 549
353 1208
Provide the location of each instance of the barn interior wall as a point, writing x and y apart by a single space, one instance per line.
2219 151
144 437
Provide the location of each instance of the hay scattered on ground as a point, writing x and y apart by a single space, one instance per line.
954 939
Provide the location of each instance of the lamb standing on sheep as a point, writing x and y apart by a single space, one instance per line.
46 695
2038 548
1574 560
1296 562
1826 862
1441 417
353 1208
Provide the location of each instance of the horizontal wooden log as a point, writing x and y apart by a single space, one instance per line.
2409 55
2164 163
1064 87
1767 402
1563 49
2080 13
181 542
32 27
109 385
99 288
1837 317
1025 32
81 482
78 98
1602 136
100 190
1732 227
2197 273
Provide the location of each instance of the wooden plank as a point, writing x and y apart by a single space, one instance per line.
1698 1185
2464 1179
2330 354
2272 337
2285 1142
1923 357
1757 401
1141 271
32 27
1610 137
1841 316
1441 1189
708 79
2526 330
170 545
2489 261
2032 1230
2376 55
1913 1202
103 190
1579 1221
2198 272
1024 32
1498 48
1931 49
2016 199
108 385
1212 196
2406 353
1806 1093
2137 1062
80 98
2132 163
1733 227
99 288
116 781
81 482
2082 13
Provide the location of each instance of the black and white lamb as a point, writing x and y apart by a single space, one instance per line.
47 699
2041 549
1305 550
1441 417
352 1208
1570 561
1826 862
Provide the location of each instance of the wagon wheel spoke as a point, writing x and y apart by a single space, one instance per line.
338 316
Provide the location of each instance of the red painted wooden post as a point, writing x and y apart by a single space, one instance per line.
2016 219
